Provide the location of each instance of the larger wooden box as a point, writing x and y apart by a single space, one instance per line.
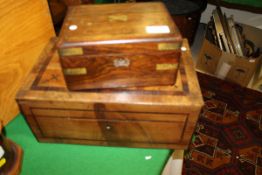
160 116
119 45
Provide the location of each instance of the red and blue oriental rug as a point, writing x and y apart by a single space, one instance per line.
228 136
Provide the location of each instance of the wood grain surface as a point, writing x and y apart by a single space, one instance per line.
144 68
119 45
25 29
105 22
157 116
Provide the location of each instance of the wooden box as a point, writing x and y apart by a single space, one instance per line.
159 116
119 45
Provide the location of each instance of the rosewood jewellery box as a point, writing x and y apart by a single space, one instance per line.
152 117
119 45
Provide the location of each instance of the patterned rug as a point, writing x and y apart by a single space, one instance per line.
228 136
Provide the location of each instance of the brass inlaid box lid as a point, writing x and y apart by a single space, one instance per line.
126 21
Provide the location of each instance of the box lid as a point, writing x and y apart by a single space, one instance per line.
113 23
46 84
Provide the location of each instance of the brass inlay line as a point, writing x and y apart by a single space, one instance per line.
71 51
168 46
167 66
75 71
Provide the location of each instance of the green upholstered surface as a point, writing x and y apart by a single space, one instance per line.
70 159
253 3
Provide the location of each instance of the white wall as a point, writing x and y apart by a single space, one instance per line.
240 16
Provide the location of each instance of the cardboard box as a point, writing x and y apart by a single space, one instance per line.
229 66
256 82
